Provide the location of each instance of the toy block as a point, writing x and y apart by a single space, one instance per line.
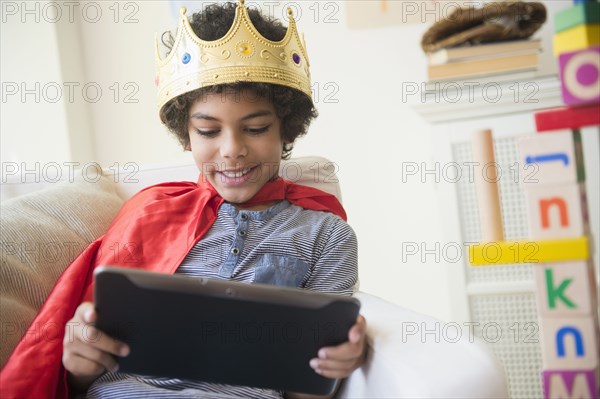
554 211
580 76
569 343
579 160
579 14
594 292
509 252
486 186
577 38
585 213
548 159
570 384
564 289
567 118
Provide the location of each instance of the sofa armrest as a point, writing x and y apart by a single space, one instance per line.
42 232
416 356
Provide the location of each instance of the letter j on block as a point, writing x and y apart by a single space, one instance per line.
564 288
569 343
547 159
570 384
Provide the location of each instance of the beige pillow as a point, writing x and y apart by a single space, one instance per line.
41 234
317 172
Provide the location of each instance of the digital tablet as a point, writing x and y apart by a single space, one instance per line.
221 331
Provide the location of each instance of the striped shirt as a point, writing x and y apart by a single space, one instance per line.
284 245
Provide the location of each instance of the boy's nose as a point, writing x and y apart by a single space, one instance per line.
233 146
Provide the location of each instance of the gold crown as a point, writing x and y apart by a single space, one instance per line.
242 55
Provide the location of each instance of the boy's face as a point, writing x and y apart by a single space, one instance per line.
236 142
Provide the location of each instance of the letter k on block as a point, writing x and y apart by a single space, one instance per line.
564 288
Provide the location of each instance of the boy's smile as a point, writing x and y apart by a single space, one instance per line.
235 139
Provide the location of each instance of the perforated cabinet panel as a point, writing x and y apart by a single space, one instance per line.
512 315
514 214
509 324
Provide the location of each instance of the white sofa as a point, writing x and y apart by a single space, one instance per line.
45 225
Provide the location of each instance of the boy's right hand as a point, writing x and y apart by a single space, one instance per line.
88 352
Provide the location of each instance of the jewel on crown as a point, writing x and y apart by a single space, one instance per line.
243 54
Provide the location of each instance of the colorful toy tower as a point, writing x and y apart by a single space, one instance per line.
577 46
566 290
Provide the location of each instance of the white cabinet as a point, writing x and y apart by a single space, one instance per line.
498 300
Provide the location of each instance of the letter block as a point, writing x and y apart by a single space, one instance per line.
582 13
580 76
566 118
569 343
548 159
556 211
570 384
565 289
576 38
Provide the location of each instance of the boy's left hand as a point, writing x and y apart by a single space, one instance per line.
341 360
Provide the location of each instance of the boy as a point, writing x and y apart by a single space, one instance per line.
237 99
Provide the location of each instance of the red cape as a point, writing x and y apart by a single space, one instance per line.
153 231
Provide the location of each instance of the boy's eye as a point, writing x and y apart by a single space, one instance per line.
207 132
258 130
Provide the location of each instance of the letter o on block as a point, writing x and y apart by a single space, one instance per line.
580 76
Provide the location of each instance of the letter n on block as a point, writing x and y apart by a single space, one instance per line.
570 384
555 211
565 288
569 343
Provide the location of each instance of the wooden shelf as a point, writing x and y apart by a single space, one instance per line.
478 98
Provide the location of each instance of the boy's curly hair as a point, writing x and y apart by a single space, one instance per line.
294 108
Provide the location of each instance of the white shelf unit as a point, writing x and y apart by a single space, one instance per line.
499 298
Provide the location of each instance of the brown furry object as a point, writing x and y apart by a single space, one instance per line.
493 22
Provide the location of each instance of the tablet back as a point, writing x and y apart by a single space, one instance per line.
221 331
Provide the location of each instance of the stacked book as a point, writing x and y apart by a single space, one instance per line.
483 59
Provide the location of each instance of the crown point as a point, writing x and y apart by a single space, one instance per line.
290 12
241 2
182 10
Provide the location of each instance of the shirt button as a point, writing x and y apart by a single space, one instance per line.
235 251
244 216
241 233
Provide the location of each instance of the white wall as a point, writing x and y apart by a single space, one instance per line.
368 132
33 124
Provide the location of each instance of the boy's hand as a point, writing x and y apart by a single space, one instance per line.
341 360
87 352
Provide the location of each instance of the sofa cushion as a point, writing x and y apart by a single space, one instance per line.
42 232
